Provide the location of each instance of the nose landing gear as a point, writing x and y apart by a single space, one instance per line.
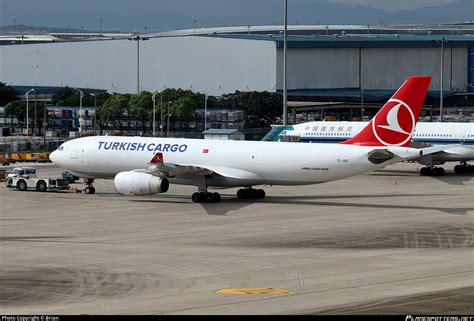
89 188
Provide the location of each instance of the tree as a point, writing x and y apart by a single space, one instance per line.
183 108
102 96
7 94
69 97
63 96
141 106
16 109
114 109
262 108
182 104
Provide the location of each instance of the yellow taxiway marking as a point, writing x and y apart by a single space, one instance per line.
254 291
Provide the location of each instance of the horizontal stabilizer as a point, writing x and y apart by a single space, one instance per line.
450 149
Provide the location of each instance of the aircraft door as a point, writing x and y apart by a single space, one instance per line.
82 155
74 153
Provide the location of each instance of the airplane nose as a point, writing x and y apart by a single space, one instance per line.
54 157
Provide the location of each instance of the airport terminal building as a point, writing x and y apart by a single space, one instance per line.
323 61
356 64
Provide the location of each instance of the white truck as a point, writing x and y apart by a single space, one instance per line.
22 171
40 184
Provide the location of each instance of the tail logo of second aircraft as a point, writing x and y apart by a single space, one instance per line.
396 126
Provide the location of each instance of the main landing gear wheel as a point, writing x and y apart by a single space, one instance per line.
464 168
89 188
250 193
204 197
432 171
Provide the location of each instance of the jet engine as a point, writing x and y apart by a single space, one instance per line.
136 183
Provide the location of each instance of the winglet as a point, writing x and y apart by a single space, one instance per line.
395 123
157 159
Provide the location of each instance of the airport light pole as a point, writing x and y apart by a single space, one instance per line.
95 111
81 95
137 38
154 110
168 121
45 120
441 80
161 116
285 69
35 120
27 111
205 110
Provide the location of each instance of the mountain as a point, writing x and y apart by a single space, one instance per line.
159 15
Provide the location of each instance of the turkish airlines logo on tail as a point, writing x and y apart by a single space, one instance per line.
395 124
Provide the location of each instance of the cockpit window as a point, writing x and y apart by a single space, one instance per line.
60 148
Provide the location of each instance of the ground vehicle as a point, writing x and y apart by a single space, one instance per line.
28 157
15 157
69 176
43 157
23 171
4 160
42 184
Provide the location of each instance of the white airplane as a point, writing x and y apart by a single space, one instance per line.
142 166
425 135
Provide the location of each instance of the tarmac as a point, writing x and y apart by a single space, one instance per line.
387 242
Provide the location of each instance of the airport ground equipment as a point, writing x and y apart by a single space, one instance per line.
69 176
22 171
39 184
4 160
3 175
15 157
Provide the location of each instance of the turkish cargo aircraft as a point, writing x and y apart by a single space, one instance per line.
449 142
142 166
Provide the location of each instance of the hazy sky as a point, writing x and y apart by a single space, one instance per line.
394 4
157 15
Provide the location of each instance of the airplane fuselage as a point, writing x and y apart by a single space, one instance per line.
265 162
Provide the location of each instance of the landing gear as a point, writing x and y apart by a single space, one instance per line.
89 188
250 193
205 197
432 171
464 168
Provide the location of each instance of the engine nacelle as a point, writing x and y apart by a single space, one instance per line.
136 183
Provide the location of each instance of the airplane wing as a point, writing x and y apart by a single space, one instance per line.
164 169
173 170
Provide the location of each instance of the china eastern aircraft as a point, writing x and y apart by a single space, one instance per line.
141 166
425 135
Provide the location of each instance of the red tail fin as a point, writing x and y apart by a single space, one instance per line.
395 123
